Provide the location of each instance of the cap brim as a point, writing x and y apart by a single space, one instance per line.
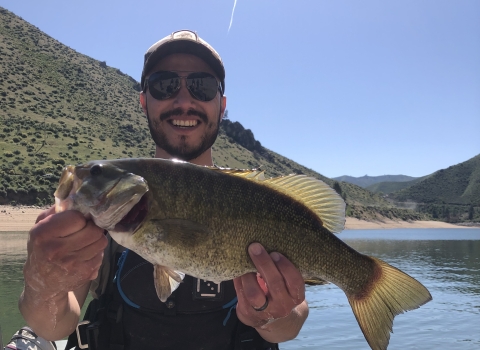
183 46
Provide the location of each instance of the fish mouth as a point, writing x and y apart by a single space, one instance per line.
134 218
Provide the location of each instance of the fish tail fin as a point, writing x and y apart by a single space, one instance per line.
391 293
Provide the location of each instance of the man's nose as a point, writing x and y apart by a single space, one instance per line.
183 96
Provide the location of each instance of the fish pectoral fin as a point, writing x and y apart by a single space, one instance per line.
315 281
391 292
166 281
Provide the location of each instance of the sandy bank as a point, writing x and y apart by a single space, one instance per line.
18 218
355 224
23 218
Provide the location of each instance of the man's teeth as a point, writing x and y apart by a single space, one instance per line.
184 122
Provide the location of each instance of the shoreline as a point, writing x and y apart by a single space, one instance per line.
22 218
388 224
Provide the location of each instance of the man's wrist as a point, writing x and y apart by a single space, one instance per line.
286 328
51 318
45 296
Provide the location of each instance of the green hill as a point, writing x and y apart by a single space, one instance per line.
391 186
452 194
58 106
366 181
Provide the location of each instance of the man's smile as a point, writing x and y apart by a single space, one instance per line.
183 123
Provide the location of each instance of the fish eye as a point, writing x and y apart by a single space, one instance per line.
96 170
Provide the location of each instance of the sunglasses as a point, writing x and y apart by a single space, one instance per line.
164 84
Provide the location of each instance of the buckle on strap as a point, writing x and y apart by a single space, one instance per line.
82 336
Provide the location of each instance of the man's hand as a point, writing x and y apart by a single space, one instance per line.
279 286
64 253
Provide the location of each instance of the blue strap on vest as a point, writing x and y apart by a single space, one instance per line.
232 304
116 280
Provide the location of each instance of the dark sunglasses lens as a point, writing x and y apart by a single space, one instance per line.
203 86
163 84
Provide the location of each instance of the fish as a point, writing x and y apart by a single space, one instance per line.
199 220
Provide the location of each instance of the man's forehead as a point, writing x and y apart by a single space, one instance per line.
183 62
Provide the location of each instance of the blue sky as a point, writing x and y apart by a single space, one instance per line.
344 87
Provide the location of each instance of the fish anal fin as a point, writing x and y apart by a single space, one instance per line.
166 281
391 293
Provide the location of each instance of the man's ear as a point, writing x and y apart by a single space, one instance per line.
223 106
143 102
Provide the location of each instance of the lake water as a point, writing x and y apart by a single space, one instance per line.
446 261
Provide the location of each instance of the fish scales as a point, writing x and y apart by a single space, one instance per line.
200 221
250 213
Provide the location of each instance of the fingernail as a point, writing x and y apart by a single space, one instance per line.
256 249
275 256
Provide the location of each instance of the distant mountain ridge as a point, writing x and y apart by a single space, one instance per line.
365 181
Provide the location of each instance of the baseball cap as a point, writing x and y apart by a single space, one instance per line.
183 41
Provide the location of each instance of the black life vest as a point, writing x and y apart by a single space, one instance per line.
199 315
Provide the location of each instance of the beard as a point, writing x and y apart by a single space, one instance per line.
182 149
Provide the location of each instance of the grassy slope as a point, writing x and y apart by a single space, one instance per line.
459 184
389 186
451 195
59 107
366 181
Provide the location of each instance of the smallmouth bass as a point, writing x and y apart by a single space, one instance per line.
189 219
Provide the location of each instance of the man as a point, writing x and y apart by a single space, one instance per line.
183 83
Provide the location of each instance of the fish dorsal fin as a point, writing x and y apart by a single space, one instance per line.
313 193
252 174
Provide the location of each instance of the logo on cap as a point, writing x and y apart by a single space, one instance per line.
185 34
